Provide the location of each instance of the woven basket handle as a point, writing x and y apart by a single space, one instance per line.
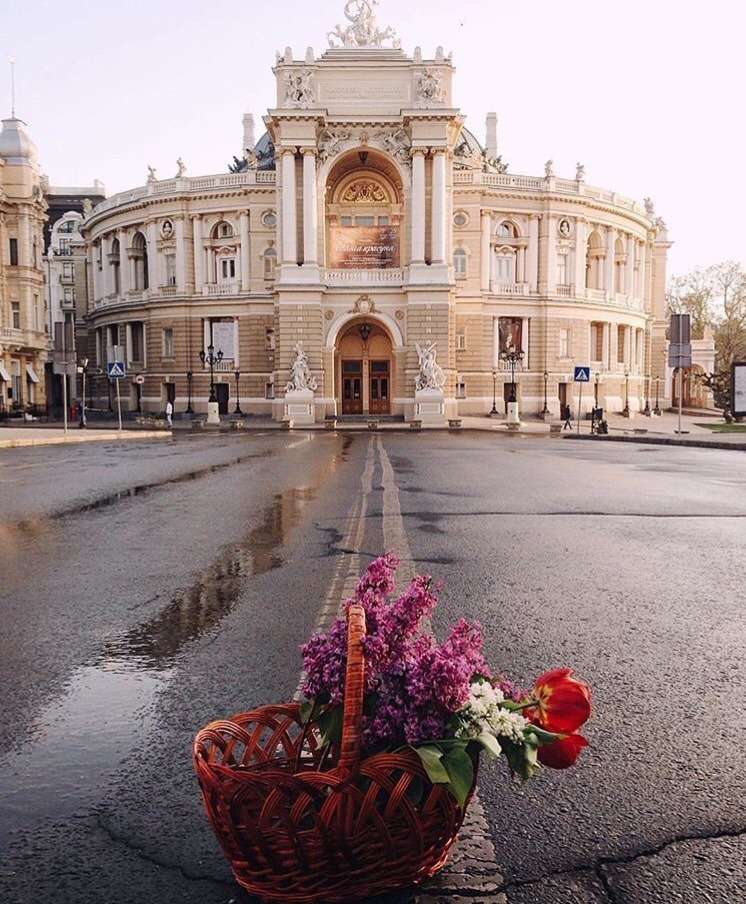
352 723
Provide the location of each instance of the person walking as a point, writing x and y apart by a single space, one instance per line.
169 413
567 415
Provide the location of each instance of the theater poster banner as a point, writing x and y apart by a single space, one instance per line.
363 247
511 338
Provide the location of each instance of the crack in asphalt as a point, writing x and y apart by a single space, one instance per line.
124 842
77 508
598 866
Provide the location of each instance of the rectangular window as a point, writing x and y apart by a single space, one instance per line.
15 309
564 343
365 221
67 297
13 252
597 340
504 268
620 344
138 347
67 270
228 268
269 339
459 263
269 390
562 270
168 342
345 221
460 341
460 390
170 269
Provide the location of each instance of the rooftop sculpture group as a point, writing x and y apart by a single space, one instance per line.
362 32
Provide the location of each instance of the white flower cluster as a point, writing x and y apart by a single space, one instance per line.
484 713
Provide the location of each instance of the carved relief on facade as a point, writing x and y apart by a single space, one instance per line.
331 142
396 143
430 88
364 304
364 191
299 89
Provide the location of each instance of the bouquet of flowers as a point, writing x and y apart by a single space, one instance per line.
442 700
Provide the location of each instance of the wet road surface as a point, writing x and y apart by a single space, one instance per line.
148 589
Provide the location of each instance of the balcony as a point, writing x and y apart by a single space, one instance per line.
368 277
212 289
506 288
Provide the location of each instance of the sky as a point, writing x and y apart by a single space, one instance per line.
647 94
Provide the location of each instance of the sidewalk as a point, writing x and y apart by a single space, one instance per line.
638 429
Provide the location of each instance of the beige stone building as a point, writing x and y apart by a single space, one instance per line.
24 340
374 258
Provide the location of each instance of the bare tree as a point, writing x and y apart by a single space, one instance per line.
693 294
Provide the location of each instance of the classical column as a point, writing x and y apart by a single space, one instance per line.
605 343
581 250
551 255
199 254
154 258
106 275
125 264
533 253
180 261
438 218
289 211
609 261
95 273
418 206
628 347
245 252
310 208
629 267
485 254
640 270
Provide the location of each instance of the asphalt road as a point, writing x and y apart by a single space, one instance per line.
149 588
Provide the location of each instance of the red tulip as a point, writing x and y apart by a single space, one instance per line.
562 703
563 753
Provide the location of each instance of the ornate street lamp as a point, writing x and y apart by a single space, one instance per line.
595 389
189 409
657 409
238 401
83 370
646 409
625 412
545 409
211 359
512 356
493 413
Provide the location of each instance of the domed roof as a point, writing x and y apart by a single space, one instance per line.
468 143
16 146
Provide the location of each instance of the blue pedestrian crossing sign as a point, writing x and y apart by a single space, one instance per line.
582 375
116 370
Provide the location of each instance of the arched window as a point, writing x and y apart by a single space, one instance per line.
594 262
507 230
460 263
139 253
620 258
223 231
269 259
115 261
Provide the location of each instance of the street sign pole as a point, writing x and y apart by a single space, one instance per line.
119 407
681 392
580 399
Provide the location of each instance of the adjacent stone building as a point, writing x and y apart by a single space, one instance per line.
369 228
24 340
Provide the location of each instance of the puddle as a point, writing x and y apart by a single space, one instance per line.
80 739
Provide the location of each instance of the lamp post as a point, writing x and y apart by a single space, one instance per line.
211 358
646 409
545 409
657 409
595 390
238 400
512 356
493 413
625 412
189 409
83 370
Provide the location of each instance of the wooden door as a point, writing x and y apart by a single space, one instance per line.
352 387
222 390
379 387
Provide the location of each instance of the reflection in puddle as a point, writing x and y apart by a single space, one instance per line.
78 742
80 739
199 609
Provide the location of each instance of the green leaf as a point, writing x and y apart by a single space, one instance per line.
306 708
432 761
490 744
521 758
541 735
460 772
330 725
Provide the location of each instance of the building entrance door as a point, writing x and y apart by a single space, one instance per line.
379 383
222 391
352 387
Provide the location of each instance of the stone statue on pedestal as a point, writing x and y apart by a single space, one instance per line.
300 374
431 375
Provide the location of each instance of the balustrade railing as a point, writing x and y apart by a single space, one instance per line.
221 289
505 288
391 276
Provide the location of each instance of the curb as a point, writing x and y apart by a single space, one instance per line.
662 441
93 437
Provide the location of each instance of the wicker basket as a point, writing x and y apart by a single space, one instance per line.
295 831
